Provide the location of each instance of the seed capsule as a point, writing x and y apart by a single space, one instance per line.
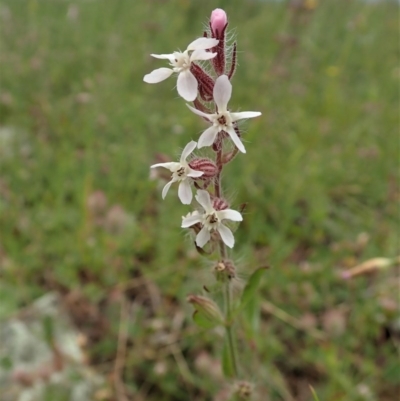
207 166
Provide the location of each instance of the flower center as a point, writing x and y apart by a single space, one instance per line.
181 61
180 172
223 119
212 219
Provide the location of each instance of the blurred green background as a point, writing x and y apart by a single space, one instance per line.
81 216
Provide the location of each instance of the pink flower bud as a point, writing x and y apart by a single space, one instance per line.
207 166
220 204
218 20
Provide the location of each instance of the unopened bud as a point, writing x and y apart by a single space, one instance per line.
207 166
220 204
243 391
207 307
218 20
224 270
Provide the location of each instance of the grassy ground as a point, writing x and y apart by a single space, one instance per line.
79 214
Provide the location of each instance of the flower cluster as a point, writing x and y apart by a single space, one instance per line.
204 72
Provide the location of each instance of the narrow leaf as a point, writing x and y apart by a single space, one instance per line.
314 393
252 286
251 312
227 363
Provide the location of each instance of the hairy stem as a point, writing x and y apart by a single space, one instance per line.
228 326
227 284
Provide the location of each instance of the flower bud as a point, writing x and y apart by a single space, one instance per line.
207 166
218 20
243 391
220 204
224 270
207 307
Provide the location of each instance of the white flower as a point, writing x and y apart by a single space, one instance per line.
211 219
180 63
222 120
181 172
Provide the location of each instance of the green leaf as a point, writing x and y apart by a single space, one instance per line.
203 321
250 304
314 393
48 329
252 285
251 312
227 363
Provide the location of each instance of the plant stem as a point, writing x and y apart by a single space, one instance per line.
227 284
228 326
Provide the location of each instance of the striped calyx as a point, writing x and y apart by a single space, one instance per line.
207 166
220 204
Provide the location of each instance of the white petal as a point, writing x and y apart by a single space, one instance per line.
200 113
203 237
163 56
187 85
207 138
158 75
195 173
226 235
229 214
244 114
166 188
185 192
203 43
202 55
189 148
171 166
190 221
236 140
203 197
222 92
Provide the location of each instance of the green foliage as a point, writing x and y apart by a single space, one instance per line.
314 394
319 178
251 289
228 367
250 301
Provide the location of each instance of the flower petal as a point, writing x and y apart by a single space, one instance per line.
235 139
169 57
187 86
226 235
201 55
200 113
244 114
203 197
222 92
189 148
157 75
203 43
207 138
171 166
202 237
185 192
195 173
166 188
189 221
229 214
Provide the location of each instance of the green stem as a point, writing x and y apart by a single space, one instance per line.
227 284
228 327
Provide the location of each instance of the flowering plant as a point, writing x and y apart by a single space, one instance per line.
205 70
